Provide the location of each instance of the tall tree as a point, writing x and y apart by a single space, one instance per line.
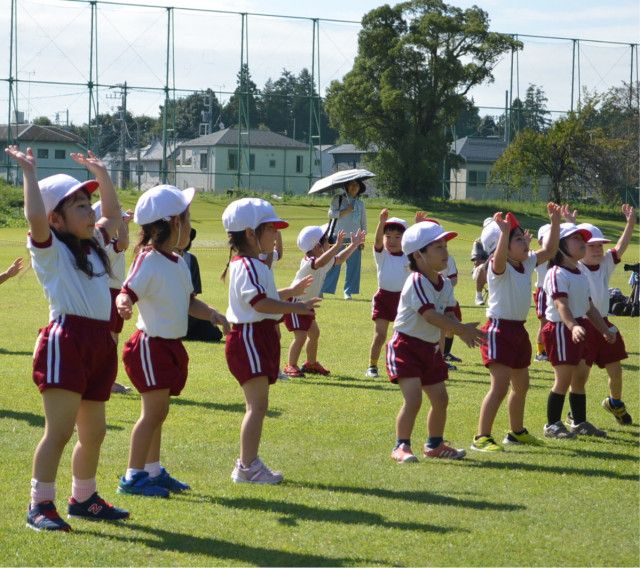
246 91
188 113
416 63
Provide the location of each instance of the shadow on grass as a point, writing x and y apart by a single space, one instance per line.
425 497
351 384
221 550
596 454
237 407
9 352
294 512
36 420
454 379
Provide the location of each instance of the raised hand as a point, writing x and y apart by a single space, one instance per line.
15 268
384 215
569 216
358 237
90 161
421 216
629 213
340 237
26 160
527 236
555 212
502 223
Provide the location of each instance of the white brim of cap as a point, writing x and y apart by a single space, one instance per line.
596 240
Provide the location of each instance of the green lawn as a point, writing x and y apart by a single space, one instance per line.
344 502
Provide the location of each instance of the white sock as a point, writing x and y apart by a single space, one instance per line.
42 491
153 469
131 471
82 489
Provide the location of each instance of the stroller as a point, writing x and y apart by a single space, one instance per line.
629 306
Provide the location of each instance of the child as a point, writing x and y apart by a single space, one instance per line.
413 357
156 362
318 260
115 251
13 270
540 298
507 350
74 363
598 267
391 268
253 347
564 334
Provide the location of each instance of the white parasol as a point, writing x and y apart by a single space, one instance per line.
339 179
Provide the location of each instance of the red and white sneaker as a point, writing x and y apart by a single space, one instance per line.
403 454
292 371
444 451
315 369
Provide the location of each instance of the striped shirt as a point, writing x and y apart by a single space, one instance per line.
250 280
561 282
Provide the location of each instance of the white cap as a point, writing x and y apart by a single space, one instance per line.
568 229
396 221
542 231
162 202
55 188
97 208
422 234
596 234
487 221
309 237
249 213
491 233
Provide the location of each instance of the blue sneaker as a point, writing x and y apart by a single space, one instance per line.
141 484
44 517
96 509
170 483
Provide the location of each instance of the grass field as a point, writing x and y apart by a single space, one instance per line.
344 502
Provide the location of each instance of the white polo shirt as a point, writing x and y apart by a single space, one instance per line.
161 285
541 272
598 276
67 289
118 264
562 282
392 269
419 295
510 292
308 268
250 280
451 271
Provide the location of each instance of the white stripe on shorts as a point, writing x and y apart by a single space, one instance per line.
391 355
252 352
145 359
53 352
560 342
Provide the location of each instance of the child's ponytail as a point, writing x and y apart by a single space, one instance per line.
237 241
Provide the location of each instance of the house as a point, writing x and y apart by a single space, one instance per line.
326 162
268 161
347 156
470 180
145 168
51 145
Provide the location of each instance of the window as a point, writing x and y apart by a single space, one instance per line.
477 179
186 157
252 162
60 154
272 163
203 161
43 153
299 164
232 160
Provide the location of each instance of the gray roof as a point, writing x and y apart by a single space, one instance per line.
37 133
479 149
256 138
153 151
348 149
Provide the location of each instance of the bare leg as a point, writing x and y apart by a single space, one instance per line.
313 336
256 394
437 417
493 399
299 337
92 427
614 370
412 393
155 407
579 377
380 327
518 398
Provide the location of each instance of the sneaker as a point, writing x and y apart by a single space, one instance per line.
96 509
584 428
540 357
479 301
347 296
117 388
403 454
141 484
257 472
372 372
314 368
444 451
450 367
522 439
619 412
170 483
451 358
44 517
486 444
293 371
282 376
558 431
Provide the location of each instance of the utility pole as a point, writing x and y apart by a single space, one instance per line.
121 117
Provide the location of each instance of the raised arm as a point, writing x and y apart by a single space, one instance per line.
34 210
328 255
379 238
625 237
123 231
502 248
551 240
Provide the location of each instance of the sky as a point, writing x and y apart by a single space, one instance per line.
53 46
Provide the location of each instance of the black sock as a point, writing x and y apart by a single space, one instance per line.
448 342
399 442
555 402
578 404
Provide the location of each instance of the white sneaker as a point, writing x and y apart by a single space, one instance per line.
557 430
347 296
479 301
257 472
372 372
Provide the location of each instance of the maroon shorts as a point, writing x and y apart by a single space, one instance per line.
295 322
540 302
599 351
507 342
253 350
384 305
155 363
559 346
116 322
76 354
409 356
